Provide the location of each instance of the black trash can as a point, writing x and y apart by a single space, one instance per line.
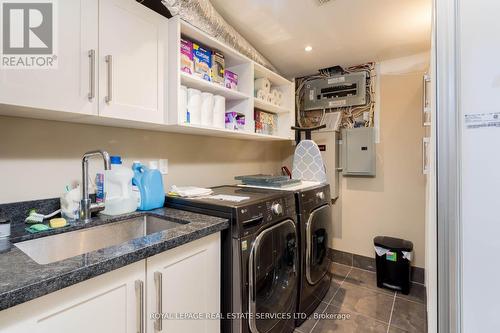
393 260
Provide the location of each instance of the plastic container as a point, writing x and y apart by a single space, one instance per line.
118 186
149 183
4 228
393 260
5 244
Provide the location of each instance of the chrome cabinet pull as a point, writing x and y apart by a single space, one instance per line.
139 292
159 305
109 62
91 55
425 155
426 103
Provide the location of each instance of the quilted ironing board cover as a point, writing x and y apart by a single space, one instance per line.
307 162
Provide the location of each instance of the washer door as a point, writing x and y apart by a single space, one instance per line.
317 236
272 276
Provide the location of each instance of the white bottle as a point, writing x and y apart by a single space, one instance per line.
118 187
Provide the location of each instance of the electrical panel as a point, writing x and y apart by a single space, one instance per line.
358 151
335 91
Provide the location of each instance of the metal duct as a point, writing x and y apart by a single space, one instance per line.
205 17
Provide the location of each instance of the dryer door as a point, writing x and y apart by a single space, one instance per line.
273 276
317 236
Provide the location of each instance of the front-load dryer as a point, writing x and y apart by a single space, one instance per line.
260 257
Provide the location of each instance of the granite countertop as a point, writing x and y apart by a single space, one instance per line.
22 279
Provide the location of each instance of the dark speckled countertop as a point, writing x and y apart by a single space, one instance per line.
22 279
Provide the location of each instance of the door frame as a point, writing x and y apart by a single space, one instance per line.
448 165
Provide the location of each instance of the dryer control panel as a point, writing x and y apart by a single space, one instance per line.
257 215
314 198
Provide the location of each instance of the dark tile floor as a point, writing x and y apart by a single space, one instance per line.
354 304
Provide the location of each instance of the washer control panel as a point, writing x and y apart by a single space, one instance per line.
277 208
267 212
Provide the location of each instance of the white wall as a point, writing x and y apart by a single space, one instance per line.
38 158
479 68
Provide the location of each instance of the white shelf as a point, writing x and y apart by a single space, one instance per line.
224 133
266 106
241 101
191 81
276 79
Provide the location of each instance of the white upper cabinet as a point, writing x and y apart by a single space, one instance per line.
67 87
132 55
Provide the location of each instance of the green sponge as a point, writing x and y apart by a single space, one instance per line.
37 228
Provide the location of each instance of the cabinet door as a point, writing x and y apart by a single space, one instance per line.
132 42
107 303
67 87
185 280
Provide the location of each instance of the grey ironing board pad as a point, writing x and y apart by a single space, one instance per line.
308 163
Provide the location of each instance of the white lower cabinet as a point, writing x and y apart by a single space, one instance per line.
121 301
107 303
185 281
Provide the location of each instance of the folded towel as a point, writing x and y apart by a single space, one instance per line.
189 191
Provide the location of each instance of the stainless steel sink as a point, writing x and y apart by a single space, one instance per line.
50 249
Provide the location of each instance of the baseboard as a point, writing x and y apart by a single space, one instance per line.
368 263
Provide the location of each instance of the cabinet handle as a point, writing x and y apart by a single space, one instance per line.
159 306
91 95
139 292
426 102
109 62
425 155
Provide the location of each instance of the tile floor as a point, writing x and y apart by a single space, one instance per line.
354 292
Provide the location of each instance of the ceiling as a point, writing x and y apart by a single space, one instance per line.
341 32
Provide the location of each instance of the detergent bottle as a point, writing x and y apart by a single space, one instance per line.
118 188
149 183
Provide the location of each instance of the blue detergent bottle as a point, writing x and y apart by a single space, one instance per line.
149 182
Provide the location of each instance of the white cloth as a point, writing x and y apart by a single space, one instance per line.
190 191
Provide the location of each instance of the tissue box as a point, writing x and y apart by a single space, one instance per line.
231 80
235 121
187 64
202 59
218 68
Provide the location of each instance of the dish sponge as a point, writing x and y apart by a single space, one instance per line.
58 222
37 228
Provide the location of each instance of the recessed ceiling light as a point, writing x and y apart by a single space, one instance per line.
308 48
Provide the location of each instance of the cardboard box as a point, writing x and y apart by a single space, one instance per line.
187 64
231 80
202 62
218 68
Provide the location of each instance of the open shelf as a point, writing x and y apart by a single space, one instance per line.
241 101
223 132
276 79
266 106
191 81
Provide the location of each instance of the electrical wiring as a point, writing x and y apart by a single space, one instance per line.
351 116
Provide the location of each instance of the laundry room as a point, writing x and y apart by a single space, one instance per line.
218 166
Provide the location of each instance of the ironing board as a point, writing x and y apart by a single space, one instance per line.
307 162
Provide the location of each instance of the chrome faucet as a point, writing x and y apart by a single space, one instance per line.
86 206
